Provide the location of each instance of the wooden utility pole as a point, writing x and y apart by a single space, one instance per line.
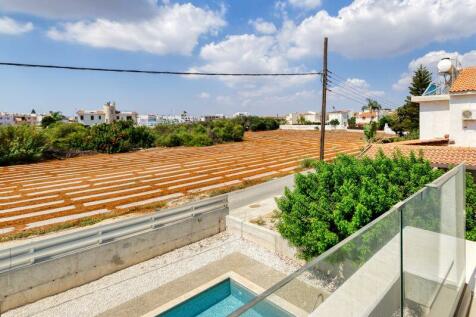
324 100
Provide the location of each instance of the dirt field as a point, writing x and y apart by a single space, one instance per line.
43 195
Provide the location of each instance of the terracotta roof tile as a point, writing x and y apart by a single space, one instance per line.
466 81
438 155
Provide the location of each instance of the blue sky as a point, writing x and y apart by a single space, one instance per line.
374 46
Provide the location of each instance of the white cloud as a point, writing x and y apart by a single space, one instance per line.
306 4
77 9
353 93
204 95
430 60
174 29
263 27
11 27
376 28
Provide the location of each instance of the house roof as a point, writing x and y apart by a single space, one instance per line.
436 154
367 114
466 81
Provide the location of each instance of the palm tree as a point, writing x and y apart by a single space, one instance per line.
372 105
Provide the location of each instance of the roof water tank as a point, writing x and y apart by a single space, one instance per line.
445 65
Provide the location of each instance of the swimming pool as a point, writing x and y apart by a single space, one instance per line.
222 299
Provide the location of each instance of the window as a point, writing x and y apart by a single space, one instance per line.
81 117
92 117
99 117
129 118
117 117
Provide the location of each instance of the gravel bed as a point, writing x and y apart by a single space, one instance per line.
98 296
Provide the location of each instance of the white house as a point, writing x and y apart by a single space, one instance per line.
148 120
108 114
450 113
342 116
240 114
7 118
310 116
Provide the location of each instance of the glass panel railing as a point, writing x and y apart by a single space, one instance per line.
359 276
408 262
434 247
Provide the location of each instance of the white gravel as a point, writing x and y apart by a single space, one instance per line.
112 290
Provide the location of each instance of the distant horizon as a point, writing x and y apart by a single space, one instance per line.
229 36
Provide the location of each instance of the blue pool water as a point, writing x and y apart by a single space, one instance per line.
221 300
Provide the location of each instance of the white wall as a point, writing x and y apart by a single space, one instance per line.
434 119
463 132
90 119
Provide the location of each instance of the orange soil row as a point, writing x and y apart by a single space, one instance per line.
79 185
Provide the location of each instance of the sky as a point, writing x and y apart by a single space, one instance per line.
374 46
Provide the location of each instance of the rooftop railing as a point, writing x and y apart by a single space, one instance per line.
436 89
408 262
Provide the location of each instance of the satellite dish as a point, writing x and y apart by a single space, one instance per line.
445 66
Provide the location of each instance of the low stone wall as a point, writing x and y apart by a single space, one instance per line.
299 127
31 283
263 237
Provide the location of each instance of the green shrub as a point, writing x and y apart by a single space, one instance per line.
65 137
21 144
254 123
470 207
120 136
370 131
199 134
342 196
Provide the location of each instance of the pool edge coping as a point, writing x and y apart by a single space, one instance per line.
278 301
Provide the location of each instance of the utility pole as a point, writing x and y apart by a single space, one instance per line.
324 100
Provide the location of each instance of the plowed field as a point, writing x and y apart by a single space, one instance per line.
53 192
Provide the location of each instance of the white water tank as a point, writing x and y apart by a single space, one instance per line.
445 66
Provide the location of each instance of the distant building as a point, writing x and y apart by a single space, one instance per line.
341 115
148 120
207 118
108 114
240 114
309 116
7 118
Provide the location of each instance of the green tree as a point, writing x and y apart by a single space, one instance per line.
407 118
351 122
334 123
372 105
52 118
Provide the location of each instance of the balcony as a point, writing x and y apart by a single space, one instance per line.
408 262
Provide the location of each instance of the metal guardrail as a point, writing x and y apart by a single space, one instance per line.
39 251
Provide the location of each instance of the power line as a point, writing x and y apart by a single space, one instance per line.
355 87
345 89
156 72
360 92
344 95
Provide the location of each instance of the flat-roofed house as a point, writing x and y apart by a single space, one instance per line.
450 113
108 114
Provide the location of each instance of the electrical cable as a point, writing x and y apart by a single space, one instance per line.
155 72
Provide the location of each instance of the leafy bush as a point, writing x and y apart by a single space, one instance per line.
342 196
254 123
120 136
370 131
21 144
199 134
64 137
470 207
334 122
352 123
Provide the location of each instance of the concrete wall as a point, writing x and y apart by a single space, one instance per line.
34 282
463 132
263 237
434 119
299 127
